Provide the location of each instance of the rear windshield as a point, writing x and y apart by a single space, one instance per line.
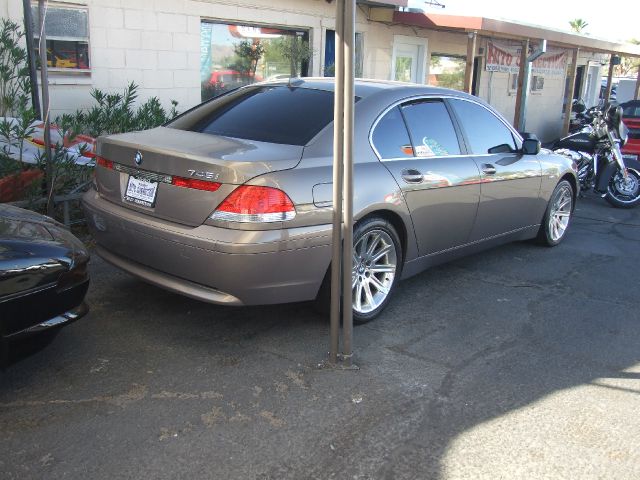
275 114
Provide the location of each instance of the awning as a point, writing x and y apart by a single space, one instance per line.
518 31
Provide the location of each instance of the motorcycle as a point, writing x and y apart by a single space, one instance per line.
580 115
596 150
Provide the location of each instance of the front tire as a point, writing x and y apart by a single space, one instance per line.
558 215
624 192
377 265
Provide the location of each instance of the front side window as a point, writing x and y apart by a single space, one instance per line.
274 114
484 131
67 37
431 130
390 137
234 55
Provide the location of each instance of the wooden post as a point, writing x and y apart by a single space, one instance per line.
572 85
471 54
519 93
636 94
607 92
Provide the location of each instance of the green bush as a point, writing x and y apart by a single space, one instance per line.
116 113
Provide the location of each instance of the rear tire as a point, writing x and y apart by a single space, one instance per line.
378 252
557 217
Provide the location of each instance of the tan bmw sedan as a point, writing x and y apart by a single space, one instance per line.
231 202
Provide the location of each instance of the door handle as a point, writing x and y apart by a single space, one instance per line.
412 176
488 169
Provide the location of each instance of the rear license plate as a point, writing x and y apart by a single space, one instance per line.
141 192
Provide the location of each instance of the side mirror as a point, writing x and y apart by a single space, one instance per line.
531 146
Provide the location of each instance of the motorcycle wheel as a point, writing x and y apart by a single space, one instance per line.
624 193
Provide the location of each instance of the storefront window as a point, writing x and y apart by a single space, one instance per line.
447 71
537 83
330 54
235 55
67 41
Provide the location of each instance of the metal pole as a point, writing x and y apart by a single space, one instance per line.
471 53
542 48
347 249
570 91
44 80
524 53
31 58
612 63
636 94
338 138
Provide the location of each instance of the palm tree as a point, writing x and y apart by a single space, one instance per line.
578 25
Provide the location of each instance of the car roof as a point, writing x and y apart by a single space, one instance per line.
364 87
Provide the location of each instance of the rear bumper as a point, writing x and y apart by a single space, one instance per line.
213 264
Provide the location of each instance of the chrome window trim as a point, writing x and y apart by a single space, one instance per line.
516 135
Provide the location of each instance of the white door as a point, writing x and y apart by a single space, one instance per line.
406 63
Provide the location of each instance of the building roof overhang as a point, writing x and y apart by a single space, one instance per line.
383 3
512 30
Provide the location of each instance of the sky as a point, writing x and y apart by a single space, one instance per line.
619 20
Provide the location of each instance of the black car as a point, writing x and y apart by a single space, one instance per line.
43 275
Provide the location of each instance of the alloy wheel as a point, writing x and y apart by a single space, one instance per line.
374 268
560 213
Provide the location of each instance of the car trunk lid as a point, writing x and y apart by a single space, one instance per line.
153 161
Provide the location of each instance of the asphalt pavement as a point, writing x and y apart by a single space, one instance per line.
519 362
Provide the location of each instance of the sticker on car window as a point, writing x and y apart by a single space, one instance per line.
432 148
424 151
407 149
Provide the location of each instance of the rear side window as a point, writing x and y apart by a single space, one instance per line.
274 114
431 129
390 137
485 132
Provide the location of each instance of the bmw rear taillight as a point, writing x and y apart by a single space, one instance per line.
195 183
249 203
103 162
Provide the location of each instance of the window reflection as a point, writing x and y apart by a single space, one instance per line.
447 71
232 56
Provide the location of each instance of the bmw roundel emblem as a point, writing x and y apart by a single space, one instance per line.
138 157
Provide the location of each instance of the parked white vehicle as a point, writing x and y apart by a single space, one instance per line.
81 147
